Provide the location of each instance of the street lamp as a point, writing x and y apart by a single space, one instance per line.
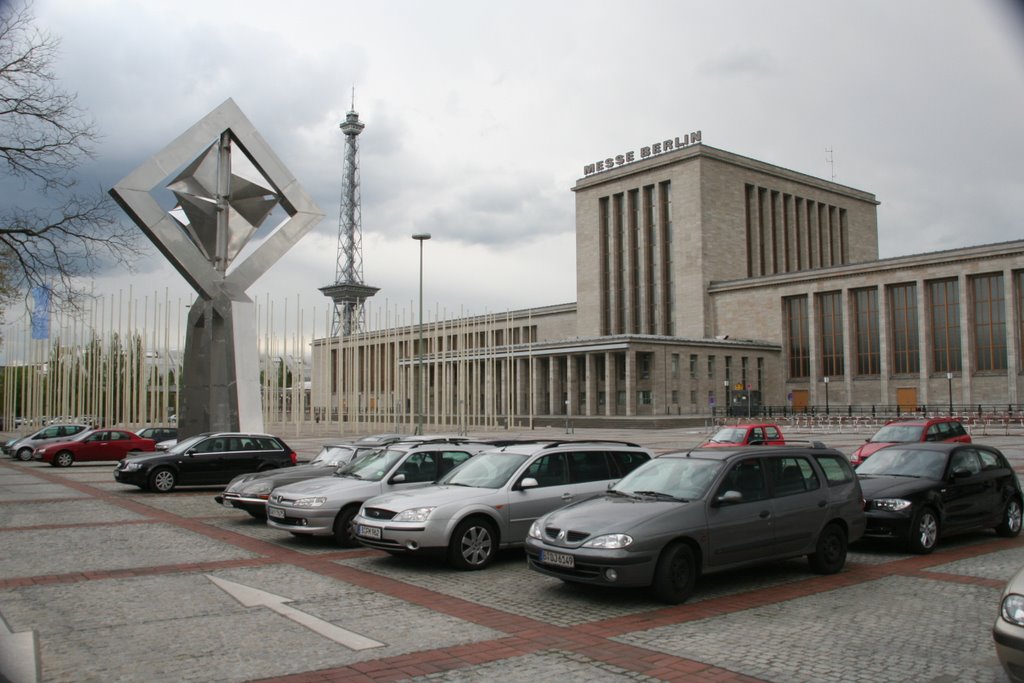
728 403
417 402
826 395
949 380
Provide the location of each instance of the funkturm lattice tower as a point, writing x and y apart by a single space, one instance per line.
348 291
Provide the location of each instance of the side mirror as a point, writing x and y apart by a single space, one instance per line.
528 483
190 452
728 498
398 478
960 473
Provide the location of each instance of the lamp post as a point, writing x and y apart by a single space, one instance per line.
826 395
728 403
417 399
949 380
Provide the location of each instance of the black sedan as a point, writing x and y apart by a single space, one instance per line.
918 493
205 459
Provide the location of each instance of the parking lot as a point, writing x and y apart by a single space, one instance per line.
103 582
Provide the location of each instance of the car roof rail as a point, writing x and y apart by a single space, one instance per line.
556 442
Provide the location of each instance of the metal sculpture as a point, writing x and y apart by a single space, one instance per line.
217 212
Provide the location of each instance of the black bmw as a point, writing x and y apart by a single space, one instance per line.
919 492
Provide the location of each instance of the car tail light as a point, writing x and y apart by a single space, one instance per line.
294 458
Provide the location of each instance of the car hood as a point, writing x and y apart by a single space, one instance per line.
433 495
327 485
279 477
50 445
866 449
615 514
888 486
152 456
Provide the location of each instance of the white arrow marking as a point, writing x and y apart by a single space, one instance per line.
19 655
254 597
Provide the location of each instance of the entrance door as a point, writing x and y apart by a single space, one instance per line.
800 399
906 399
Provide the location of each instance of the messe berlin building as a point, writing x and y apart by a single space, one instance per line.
708 281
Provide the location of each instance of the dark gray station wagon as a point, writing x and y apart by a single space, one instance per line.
685 514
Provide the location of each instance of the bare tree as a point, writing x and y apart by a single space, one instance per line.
52 234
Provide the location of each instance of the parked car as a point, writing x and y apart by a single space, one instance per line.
691 513
907 431
918 493
250 492
93 445
746 435
325 506
205 459
22 448
491 501
159 434
1008 631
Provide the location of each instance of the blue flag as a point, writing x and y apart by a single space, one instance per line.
41 312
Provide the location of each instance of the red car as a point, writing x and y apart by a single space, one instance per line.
96 444
905 431
746 435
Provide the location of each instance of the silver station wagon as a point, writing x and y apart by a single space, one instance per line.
325 506
491 501
687 514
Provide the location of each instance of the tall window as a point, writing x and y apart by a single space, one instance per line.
944 299
728 369
903 309
711 367
830 326
865 311
693 365
989 322
797 346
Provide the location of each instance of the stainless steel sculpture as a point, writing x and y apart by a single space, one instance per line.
218 211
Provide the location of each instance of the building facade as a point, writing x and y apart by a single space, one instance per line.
706 280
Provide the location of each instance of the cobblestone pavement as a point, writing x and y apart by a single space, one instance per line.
117 584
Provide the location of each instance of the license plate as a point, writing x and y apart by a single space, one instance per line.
367 531
276 513
557 559
227 503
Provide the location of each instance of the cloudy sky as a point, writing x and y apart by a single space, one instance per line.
480 116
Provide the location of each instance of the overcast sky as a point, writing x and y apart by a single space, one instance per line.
480 116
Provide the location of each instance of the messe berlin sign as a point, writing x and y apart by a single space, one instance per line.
646 152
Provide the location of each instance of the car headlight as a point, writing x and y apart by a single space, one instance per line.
313 502
414 514
1013 609
890 504
536 530
609 541
132 466
262 488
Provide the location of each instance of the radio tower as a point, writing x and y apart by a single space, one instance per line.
348 291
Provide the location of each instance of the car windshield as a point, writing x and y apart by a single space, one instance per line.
185 444
487 470
898 434
729 435
332 456
373 466
905 462
685 478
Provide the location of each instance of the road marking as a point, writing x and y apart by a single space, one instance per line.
19 655
254 597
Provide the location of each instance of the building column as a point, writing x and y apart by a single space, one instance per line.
610 391
923 361
966 341
884 355
631 384
590 407
1012 325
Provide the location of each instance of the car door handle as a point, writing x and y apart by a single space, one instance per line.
566 496
822 503
765 514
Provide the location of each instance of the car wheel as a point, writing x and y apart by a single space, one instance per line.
343 534
676 574
64 459
25 454
1010 526
473 544
830 552
924 532
162 481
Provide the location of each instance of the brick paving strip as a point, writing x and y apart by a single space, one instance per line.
525 635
